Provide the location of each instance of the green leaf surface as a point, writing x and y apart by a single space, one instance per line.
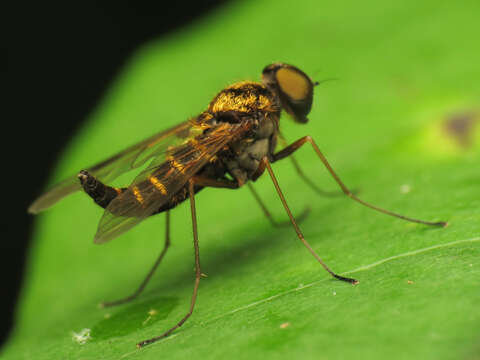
400 125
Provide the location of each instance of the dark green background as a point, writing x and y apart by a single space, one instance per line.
404 69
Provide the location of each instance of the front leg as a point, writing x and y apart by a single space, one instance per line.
307 139
305 178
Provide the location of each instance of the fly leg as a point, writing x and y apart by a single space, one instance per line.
269 216
198 272
307 139
150 273
216 183
313 186
102 195
304 177
297 229
225 183
206 182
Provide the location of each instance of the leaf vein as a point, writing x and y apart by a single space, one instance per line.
361 268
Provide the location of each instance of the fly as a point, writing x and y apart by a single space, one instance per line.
228 145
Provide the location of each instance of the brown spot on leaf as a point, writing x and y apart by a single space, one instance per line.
461 126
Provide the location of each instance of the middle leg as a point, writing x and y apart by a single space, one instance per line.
297 229
269 216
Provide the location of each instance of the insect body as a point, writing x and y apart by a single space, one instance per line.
229 144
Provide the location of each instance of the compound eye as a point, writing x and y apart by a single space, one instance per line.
293 84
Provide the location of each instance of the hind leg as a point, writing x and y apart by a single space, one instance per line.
150 273
103 194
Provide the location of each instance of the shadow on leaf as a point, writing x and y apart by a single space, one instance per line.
136 316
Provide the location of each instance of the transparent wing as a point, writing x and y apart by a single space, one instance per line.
164 179
111 168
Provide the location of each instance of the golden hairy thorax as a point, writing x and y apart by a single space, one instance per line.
245 96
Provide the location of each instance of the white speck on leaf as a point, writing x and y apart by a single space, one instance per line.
81 337
151 314
405 189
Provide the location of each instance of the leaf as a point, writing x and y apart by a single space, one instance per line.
406 69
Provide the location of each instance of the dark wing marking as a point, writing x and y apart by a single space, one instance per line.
156 185
109 169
